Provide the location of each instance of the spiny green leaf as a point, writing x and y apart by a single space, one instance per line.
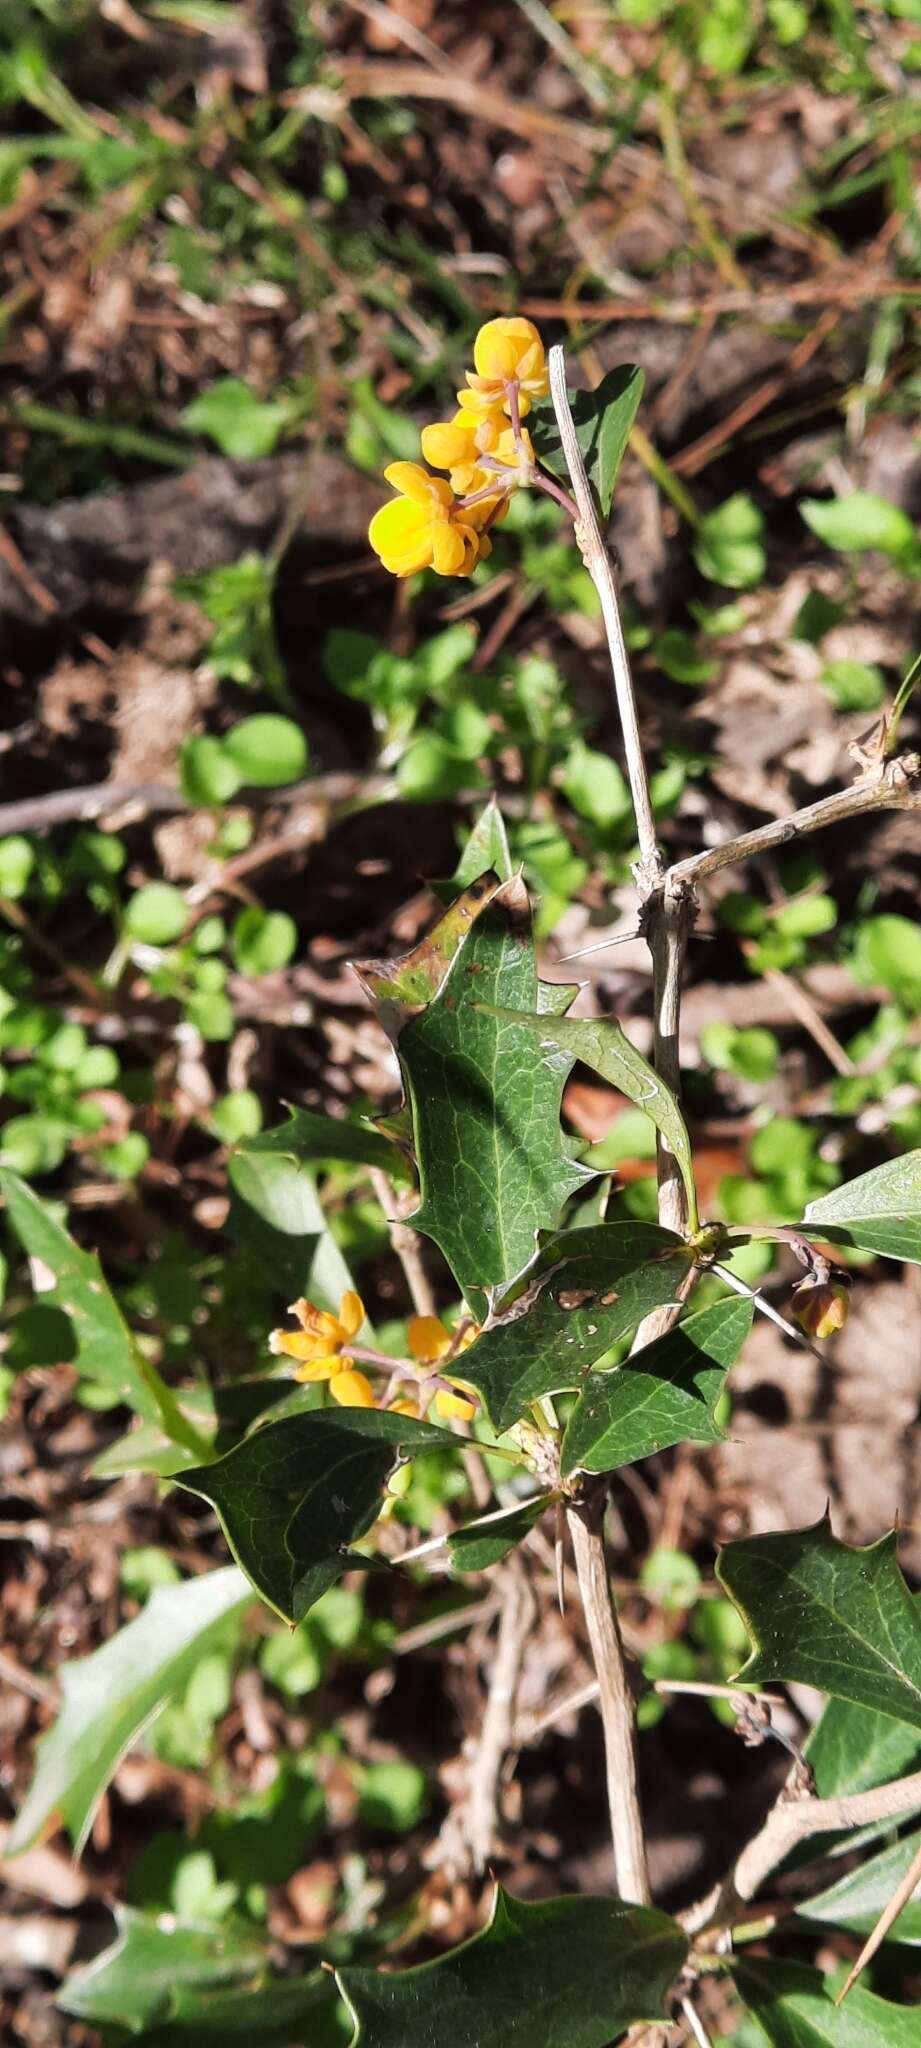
857 1900
400 989
136 1983
603 420
307 1135
586 1289
485 848
110 1697
482 1543
826 1613
796 2008
880 1211
296 1493
603 1046
662 1395
106 1348
568 1970
493 1166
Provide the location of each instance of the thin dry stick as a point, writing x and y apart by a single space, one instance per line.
896 788
407 1244
791 1821
890 1913
585 1518
516 1620
615 1699
598 563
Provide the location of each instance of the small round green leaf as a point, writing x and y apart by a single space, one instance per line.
263 940
156 914
207 772
267 750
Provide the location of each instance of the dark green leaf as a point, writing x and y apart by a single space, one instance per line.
493 1167
568 1970
485 848
482 1543
308 1135
586 1289
108 1698
106 1349
603 1046
880 1211
136 1983
852 1749
275 2013
275 1209
796 2008
293 1496
664 1394
825 1613
603 420
858 1899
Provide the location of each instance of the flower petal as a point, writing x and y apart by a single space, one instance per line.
448 442
319 1368
411 479
453 1406
351 1313
352 1390
428 1339
448 550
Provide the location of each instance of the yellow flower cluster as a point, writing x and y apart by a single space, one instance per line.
485 449
323 1347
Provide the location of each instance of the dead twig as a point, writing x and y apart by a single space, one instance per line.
897 787
793 1820
516 1620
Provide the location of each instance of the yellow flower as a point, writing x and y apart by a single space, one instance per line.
821 1308
458 445
425 528
506 351
430 1341
318 1344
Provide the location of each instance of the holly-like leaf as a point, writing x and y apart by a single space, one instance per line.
601 1044
271 2015
493 1166
828 1614
880 1211
795 2006
307 1135
110 1697
586 1289
665 1394
852 1749
603 420
857 1900
296 1493
106 1349
486 848
136 1983
573 1970
482 1543
277 1214
401 989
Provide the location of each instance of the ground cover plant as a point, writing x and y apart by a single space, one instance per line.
448 1406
